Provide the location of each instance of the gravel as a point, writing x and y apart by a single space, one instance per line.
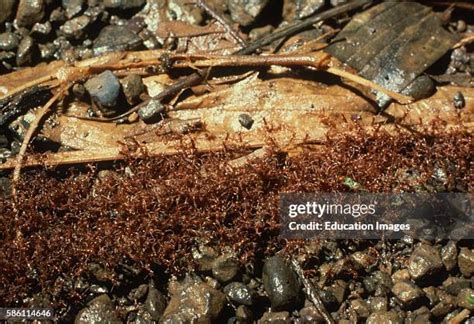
100 310
466 262
424 262
104 89
239 293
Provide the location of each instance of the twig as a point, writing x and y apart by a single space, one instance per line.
222 22
288 60
29 134
312 292
198 76
459 317
466 40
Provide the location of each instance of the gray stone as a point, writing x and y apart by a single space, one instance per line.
244 12
298 9
275 318
309 315
76 27
409 294
104 89
116 38
465 299
281 284
239 293
424 262
7 9
72 7
246 121
132 86
384 317
100 310
42 29
123 4
26 49
449 254
155 303
152 111
225 268
466 262
8 41
194 301
29 12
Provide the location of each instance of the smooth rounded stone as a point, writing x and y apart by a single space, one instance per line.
459 100
361 307
6 11
298 9
72 7
76 27
133 87
194 302
244 12
152 112
225 268
466 262
29 12
420 88
99 310
239 293
465 299
310 314
244 315
116 38
246 121
79 91
424 262
409 294
104 89
384 317
421 315
449 254
275 318
26 49
155 303
281 284
123 4
8 41
47 50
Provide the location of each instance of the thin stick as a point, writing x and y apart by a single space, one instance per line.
29 134
312 292
198 76
222 22
289 60
466 40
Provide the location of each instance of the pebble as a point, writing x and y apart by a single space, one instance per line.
76 27
152 112
421 315
138 293
116 38
454 285
244 315
204 257
26 48
155 303
363 260
29 12
449 254
409 294
420 88
310 314
339 290
361 307
42 29
104 89
461 26
244 12
465 299
8 41
377 304
123 4
99 310
378 283
5 187
225 268
7 9
466 262
459 101
281 284
79 91
424 262
384 317
239 293
194 302
246 121
47 50
275 318
72 7
132 86
401 275
298 9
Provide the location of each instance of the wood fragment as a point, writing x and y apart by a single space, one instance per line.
460 317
